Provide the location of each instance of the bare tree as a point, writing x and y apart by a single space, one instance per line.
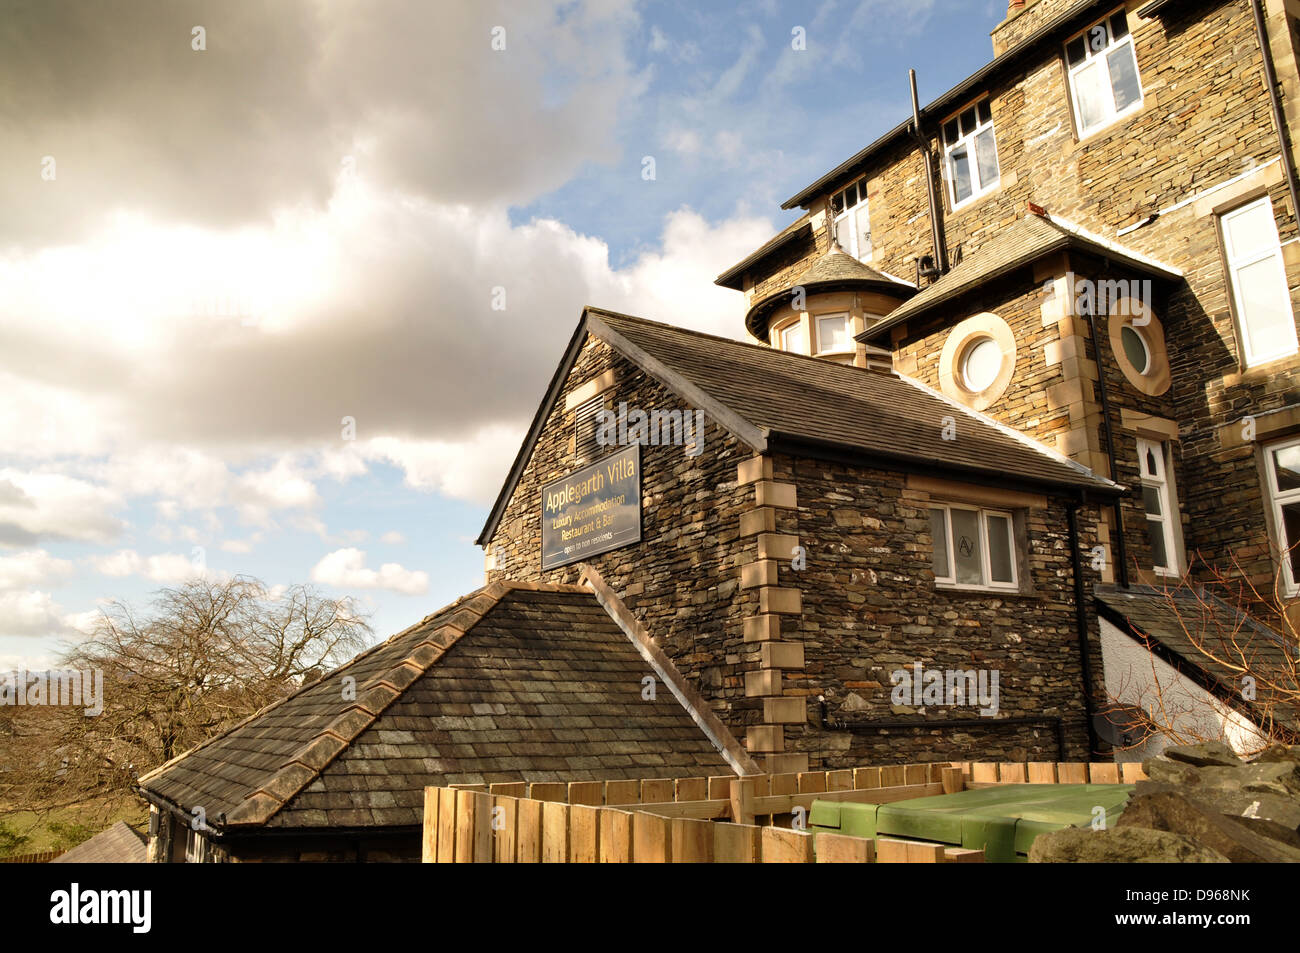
1239 643
202 657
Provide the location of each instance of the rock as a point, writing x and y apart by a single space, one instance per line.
1278 753
1120 845
1171 772
1204 755
1238 839
854 702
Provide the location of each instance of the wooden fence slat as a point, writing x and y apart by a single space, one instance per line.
506 816
1072 772
584 834
783 784
961 855
656 789
555 833
812 782
509 788
691 789
615 843
651 839
1103 772
918 853
864 778
737 843
622 792
893 776
720 786
1013 771
841 780
842 849
528 835
447 826
889 851
916 774
555 791
784 846
952 781
1133 772
466 839
586 792
983 772
1042 772
429 832
692 841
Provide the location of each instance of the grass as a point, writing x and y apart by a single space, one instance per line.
29 832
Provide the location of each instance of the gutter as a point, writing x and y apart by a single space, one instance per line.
1081 622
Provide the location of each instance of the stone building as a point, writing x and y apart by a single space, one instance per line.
1018 364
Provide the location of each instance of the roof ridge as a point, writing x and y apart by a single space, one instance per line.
150 775
374 697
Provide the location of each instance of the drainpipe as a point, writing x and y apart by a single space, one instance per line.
936 234
1081 621
1270 77
1121 547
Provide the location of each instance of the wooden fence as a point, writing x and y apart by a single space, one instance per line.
713 819
41 857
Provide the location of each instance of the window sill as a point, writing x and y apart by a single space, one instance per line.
1261 371
985 591
974 200
1117 122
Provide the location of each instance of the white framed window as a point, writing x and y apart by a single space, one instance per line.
1258 278
1158 502
1103 71
196 847
973 547
1137 349
981 363
793 338
834 334
853 220
1283 465
970 154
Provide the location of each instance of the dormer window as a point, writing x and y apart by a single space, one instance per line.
971 154
1104 81
853 220
834 334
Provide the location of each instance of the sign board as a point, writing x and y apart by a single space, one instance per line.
593 510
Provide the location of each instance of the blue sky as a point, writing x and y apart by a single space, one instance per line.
251 242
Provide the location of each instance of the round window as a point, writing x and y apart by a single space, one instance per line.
980 365
1136 348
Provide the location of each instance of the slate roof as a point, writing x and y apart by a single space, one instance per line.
734 276
1178 620
805 399
518 682
834 270
119 844
1028 240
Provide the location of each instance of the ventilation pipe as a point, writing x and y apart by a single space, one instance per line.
940 265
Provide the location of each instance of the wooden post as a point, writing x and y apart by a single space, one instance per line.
447 826
742 800
953 781
506 814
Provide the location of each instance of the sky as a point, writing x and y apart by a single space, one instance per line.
281 284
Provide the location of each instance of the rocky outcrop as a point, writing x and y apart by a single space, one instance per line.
1200 804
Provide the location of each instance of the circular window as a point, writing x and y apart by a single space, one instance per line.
980 365
1136 348
978 361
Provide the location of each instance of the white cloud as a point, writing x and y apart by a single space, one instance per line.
162 567
31 569
44 505
393 538
346 569
31 613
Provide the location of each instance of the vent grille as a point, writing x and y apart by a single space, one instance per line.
585 425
